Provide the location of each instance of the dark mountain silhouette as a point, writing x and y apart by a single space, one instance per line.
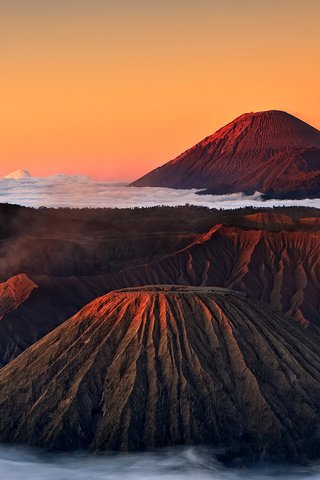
166 365
271 152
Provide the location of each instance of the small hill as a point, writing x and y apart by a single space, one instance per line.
14 292
167 365
18 175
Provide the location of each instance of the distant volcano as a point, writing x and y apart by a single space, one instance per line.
18 174
271 152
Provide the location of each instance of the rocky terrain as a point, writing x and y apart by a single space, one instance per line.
281 268
270 152
14 292
166 365
75 256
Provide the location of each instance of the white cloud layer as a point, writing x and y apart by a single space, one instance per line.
171 464
78 192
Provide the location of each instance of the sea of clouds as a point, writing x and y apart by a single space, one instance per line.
175 464
79 191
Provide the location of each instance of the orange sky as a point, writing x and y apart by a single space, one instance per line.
112 89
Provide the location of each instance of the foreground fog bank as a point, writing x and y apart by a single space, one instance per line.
77 192
175 464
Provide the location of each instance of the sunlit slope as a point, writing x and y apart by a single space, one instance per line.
159 366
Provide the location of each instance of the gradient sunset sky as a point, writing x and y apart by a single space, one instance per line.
112 89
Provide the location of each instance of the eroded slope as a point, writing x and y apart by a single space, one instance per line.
272 255
158 366
14 292
270 152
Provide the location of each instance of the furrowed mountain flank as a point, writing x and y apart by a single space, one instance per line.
76 256
53 301
271 152
14 292
235 374
279 268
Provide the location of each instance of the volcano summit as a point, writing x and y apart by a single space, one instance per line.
168 365
271 152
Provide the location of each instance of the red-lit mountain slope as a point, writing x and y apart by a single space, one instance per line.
14 292
281 268
168 365
271 152
274 256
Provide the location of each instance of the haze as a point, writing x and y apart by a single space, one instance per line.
176 464
113 89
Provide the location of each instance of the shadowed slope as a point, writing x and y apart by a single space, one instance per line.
270 152
14 293
158 366
55 300
281 268
274 256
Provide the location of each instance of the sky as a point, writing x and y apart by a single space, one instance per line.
114 88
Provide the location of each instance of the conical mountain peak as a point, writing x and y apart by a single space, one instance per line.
165 365
272 152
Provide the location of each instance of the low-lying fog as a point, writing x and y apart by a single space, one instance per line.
77 191
176 464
